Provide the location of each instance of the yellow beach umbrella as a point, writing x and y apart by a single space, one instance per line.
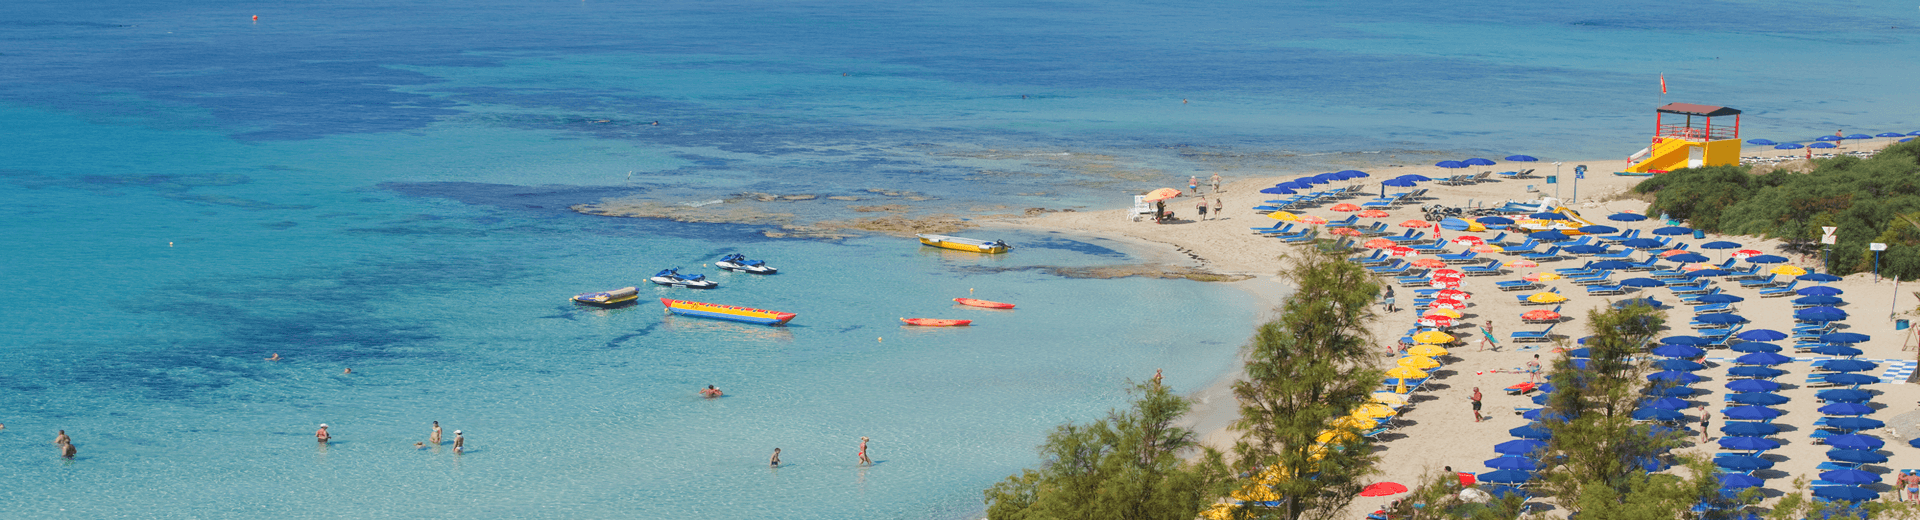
1541 277
1348 421
1335 436
1788 270
1450 313
1433 336
1282 215
1427 350
1255 493
1420 362
1547 297
1374 411
1220 511
1406 373
1389 398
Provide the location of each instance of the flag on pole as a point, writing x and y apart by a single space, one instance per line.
1663 83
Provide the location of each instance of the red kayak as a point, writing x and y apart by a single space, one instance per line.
930 322
983 303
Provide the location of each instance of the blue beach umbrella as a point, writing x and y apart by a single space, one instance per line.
1673 230
1819 290
1397 183
1751 413
1537 413
1740 481
1721 319
1852 379
1749 429
1789 146
1707 272
1817 278
1849 477
1675 391
1857 137
1515 463
1626 217
1580 353
1743 463
1502 492
1642 243
1759 372
1687 257
1548 215
1519 447
1850 365
1494 221
1476 161
1585 249
1765 359
1611 264
1677 351
1549 236
1354 174
1890 134
1851 424
1837 350
1681 365
1760 399
1854 441
1580 364
1750 347
1315 179
1844 337
1450 164
1276 190
1598 229
1860 456
1685 340
1766 259
1761 142
1541 399
1656 414
1823 145
1721 298
1818 300
1844 395
1847 493
1853 409
1414 177
1760 334
1506 476
1667 403
1674 376
1748 443
1530 432
1752 385
1720 244
1828 138
1521 158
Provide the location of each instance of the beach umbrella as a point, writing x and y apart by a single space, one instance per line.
1454 293
1539 315
1721 319
1580 364
1519 463
1719 298
1582 352
1310 219
1820 314
1372 213
1673 230
1767 259
1656 414
1484 248
1549 236
1523 263
1850 365
1676 350
1444 283
1530 432
1519 447
1402 251
1546 297
1406 373
1740 481
1548 215
1760 334
1432 336
1761 142
1354 422
1354 174
1598 229
1276 190
1448 272
1759 372
1852 379
1746 253
1429 262
1506 476
1847 493
1667 403
1397 183
1706 272
1849 477
1819 290
1854 409
1748 443
1378 243
1373 410
1650 302
1540 277
1854 441
1420 362
1748 429
1284 216
1336 436
1674 376
1720 244
1789 146
1585 249
1890 134
1844 395
1642 243
1828 138
1851 424
1450 313
1743 463
1685 340
1674 391
1837 350
1469 240
1450 164
1350 232
1494 221
1312 179
1765 359
1414 177
1814 277
1382 489
1521 158
1345 208
1788 270
1823 145
1752 385
1161 194
1476 161
1427 350
1860 456
1626 217
1751 413
1684 256
1295 185
1755 346
1416 224
1844 337
1859 136
1642 282
1759 399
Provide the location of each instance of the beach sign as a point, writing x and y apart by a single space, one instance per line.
1826 234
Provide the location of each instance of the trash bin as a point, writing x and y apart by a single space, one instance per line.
1900 324
1698 234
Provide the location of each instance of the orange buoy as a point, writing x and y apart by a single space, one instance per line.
256 18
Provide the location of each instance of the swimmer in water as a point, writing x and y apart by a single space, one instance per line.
62 438
322 435
435 438
459 443
348 371
419 445
775 461
864 461
67 451
276 357
710 392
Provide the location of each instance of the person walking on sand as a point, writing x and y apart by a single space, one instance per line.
1486 335
863 453
1476 404
435 438
1533 369
459 443
1706 421
1216 209
1386 298
775 461
62 439
322 435
1202 208
1216 182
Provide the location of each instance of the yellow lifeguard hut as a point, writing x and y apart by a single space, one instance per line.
1690 142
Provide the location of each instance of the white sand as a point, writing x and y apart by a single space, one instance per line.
1439 430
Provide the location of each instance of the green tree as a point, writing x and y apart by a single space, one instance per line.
1124 467
1797 505
1303 370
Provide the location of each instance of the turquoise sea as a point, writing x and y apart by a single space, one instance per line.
385 186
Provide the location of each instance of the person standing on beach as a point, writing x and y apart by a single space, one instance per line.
1386 297
322 435
1193 184
1706 421
1533 369
864 461
1216 182
1202 208
459 443
1476 404
775 461
1216 208
1159 211
435 438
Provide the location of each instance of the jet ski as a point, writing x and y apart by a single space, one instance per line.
739 262
673 278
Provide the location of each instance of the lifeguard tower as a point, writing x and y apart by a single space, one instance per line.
1684 136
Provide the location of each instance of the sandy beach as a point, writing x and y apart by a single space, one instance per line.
1439 429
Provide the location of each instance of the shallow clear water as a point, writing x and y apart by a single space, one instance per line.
384 186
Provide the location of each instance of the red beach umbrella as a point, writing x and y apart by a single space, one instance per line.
1310 219
1378 243
1436 320
1540 315
1445 283
1345 208
1346 231
1447 304
1382 489
1416 224
1744 253
1429 262
1469 239
1446 272
1372 213
1402 251
1454 294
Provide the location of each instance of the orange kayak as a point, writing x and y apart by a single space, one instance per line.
930 322
983 303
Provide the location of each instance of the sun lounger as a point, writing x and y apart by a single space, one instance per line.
1304 237
1277 230
1525 336
1411 236
1345 222
1522 247
1575 271
1498 239
1622 237
1377 229
1616 255
1775 292
1378 254
1713 308
1645 265
1590 278
1761 282
1429 248
1552 253
1699 287
1397 266
1516 285
1459 258
1752 272
1483 270
1605 290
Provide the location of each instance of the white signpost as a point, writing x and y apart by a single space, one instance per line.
1826 236
1826 254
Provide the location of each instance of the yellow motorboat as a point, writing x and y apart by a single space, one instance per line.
965 244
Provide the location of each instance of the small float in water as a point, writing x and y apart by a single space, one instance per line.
726 312
673 278
970 302
930 322
608 298
739 262
965 244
